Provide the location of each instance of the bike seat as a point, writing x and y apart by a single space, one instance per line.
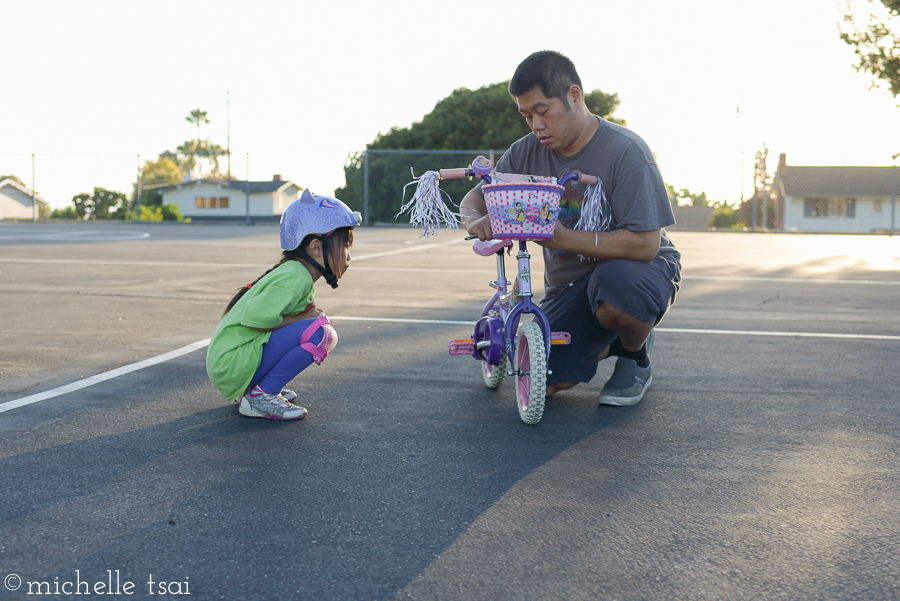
486 248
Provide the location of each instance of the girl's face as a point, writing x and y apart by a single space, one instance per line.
338 245
339 258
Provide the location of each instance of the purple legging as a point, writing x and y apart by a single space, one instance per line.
283 358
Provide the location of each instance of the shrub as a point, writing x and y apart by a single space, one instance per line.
724 218
171 212
64 213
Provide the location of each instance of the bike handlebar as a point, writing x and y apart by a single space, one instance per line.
578 176
481 168
456 173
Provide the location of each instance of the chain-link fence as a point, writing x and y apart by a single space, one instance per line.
375 178
59 181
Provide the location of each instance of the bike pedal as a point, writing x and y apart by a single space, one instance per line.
560 338
462 347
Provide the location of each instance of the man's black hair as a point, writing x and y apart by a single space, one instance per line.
549 70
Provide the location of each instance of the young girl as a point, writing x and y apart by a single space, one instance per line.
272 330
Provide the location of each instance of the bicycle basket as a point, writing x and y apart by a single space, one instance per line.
522 211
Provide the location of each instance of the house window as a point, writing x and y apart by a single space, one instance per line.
823 207
202 202
836 206
815 207
877 205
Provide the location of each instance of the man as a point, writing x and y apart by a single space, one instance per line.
608 289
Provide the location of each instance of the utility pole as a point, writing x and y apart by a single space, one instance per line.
248 188
760 179
137 192
741 125
893 188
34 211
228 128
366 187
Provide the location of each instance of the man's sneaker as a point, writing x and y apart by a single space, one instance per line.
629 382
270 406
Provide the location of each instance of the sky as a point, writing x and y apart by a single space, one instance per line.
92 88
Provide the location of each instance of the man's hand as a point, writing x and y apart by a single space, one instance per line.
560 234
474 214
480 227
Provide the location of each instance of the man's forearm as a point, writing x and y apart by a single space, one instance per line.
474 214
472 206
617 244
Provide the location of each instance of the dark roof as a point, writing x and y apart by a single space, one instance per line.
691 218
834 182
238 184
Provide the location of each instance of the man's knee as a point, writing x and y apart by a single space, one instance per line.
613 318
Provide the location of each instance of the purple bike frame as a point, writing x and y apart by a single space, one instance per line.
510 316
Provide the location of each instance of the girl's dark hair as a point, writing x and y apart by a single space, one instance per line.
549 70
334 242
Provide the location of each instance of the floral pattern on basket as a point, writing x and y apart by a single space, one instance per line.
522 211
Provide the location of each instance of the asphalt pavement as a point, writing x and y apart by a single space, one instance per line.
761 464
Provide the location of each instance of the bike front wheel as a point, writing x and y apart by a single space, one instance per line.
531 372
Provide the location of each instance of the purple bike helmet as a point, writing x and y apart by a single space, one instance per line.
315 215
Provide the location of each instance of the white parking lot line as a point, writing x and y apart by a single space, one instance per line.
200 344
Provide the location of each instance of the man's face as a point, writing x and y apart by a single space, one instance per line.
555 127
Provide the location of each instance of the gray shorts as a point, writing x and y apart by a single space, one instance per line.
645 291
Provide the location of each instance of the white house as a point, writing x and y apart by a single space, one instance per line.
229 200
16 203
834 199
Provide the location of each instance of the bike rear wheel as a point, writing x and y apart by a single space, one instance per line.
494 374
531 372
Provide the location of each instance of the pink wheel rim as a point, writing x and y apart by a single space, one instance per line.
488 368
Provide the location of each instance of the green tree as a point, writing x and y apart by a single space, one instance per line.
13 178
197 117
102 204
875 38
157 174
761 201
685 197
109 204
83 203
482 120
188 154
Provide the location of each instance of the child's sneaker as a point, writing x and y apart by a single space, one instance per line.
289 395
270 406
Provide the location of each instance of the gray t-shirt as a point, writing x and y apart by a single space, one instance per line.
631 180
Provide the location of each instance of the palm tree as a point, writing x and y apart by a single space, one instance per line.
197 117
190 148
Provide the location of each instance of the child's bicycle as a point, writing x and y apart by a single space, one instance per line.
520 208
